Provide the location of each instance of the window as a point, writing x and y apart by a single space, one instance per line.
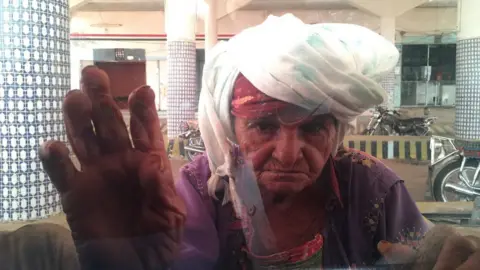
428 75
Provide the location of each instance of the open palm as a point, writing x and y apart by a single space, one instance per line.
121 205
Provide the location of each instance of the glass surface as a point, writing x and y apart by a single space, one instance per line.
428 79
337 157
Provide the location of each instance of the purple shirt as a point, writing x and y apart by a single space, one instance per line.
375 206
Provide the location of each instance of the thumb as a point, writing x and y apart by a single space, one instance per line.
396 253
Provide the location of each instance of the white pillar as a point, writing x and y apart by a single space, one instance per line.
387 30
79 58
180 20
211 24
467 110
152 71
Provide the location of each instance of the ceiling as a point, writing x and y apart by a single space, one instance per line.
156 5
125 5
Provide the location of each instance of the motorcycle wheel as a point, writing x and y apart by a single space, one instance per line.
191 155
449 173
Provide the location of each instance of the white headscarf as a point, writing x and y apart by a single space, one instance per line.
336 65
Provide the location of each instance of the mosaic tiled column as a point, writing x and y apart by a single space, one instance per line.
182 84
180 23
387 30
34 77
388 84
467 109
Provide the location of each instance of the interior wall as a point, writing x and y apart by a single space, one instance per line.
418 26
124 78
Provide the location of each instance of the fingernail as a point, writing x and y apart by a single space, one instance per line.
384 246
44 151
73 91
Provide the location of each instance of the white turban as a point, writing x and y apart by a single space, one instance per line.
336 65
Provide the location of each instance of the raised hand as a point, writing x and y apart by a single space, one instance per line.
121 205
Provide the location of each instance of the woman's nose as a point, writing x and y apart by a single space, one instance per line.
288 146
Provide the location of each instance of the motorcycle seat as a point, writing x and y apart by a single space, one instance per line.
412 120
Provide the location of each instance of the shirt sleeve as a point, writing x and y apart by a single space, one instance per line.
402 222
200 244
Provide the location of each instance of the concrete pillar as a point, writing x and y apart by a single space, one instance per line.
467 109
34 78
211 24
152 69
181 16
387 30
387 11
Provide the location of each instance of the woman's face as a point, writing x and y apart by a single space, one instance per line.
286 157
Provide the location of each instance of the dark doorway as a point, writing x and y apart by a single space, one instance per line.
124 78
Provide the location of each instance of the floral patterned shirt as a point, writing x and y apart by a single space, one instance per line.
372 204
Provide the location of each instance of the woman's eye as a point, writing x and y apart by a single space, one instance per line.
314 127
318 125
264 126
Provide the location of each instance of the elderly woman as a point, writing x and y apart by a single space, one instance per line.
275 190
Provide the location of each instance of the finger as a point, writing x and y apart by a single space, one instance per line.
396 253
473 262
432 245
107 119
475 241
455 252
156 178
155 174
77 111
140 139
157 182
145 125
56 162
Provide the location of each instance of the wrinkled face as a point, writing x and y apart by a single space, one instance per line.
286 157
288 146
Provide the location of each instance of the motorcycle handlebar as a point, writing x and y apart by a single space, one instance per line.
383 110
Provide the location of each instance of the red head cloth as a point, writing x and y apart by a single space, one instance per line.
249 102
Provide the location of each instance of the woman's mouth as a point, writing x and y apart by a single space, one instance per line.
282 176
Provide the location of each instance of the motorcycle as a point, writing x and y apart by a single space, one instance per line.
452 174
193 141
385 122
